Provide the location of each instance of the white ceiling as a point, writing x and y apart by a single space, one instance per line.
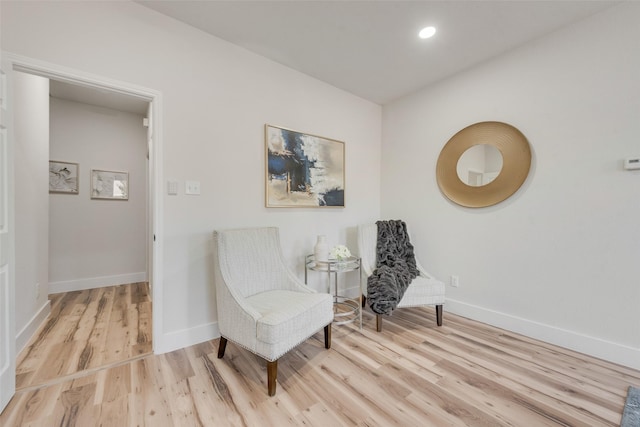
368 48
100 98
371 48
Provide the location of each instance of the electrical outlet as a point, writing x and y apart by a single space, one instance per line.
454 281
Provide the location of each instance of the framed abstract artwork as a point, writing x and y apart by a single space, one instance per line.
110 185
63 177
303 170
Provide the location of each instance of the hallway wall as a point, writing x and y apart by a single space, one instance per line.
31 139
95 243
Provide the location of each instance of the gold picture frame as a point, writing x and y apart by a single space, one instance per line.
303 170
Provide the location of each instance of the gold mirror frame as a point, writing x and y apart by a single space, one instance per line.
516 162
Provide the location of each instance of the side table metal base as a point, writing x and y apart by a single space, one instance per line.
345 309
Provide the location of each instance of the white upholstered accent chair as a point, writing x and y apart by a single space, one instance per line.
423 290
262 306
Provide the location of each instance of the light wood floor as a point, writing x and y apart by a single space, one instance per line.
411 374
87 330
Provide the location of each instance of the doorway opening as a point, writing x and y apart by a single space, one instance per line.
134 291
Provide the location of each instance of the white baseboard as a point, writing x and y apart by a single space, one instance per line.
23 337
96 282
186 337
610 351
352 292
596 347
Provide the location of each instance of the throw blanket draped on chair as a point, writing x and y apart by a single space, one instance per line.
395 267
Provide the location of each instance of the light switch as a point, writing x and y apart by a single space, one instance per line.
192 187
632 163
172 188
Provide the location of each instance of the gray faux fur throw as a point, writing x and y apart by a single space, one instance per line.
395 267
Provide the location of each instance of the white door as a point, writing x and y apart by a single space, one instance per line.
7 313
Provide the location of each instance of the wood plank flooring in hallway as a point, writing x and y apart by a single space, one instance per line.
87 330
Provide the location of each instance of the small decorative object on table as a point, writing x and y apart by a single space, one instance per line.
340 252
321 250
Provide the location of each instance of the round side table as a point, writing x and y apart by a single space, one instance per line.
345 309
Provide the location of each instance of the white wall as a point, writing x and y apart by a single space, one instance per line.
94 243
31 139
216 99
562 259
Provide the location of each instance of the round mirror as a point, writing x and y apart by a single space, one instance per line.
513 149
479 165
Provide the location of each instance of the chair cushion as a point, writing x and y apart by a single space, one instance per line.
289 315
423 291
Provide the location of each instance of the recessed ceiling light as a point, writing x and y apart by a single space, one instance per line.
427 32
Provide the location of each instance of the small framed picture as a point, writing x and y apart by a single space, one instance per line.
111 185
63 177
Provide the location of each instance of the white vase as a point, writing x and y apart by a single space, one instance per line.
321 250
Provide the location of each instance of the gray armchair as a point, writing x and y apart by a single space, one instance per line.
262 306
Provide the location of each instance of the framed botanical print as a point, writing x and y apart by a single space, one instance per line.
109 185
63 177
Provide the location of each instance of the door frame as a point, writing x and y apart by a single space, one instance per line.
7 248
11 63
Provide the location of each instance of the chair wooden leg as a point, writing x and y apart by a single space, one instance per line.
439 314
378 322
222 346
327 336
272 376
364 301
